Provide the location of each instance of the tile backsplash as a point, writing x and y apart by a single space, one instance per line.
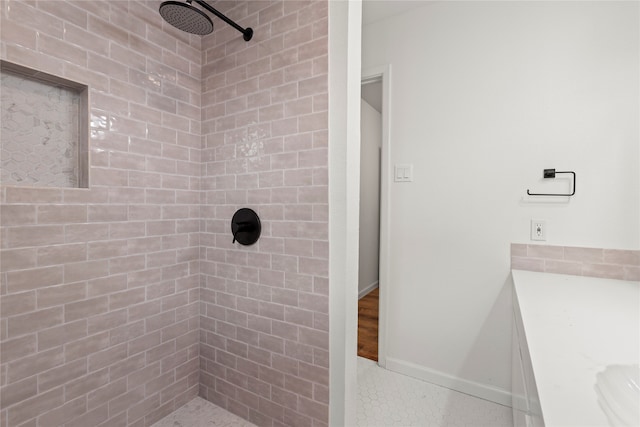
593 262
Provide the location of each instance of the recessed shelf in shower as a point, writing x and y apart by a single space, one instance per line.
44 137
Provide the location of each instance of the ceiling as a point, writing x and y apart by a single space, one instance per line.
372 93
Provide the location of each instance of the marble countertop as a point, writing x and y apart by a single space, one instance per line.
575 327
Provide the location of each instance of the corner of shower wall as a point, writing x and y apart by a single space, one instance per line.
110 313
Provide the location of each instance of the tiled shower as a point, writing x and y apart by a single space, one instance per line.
122 301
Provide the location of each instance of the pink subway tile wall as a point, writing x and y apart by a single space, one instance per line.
577 261
264 308
101 286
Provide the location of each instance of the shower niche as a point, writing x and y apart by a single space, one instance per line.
44 129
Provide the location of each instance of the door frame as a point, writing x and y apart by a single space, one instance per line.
383 73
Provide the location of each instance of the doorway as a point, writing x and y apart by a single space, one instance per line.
369 232
373 289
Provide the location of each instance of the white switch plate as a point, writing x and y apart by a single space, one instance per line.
538 229
403 173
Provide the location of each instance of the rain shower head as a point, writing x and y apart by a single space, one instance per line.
186 17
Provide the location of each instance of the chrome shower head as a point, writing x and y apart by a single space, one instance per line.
185 17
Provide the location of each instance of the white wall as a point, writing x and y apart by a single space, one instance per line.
484 96
345 22
370 144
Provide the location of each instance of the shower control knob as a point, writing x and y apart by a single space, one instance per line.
245 226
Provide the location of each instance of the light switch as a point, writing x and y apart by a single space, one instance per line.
403 173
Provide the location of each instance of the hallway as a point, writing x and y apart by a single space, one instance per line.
368 325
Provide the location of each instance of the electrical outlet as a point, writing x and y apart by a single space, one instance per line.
538 229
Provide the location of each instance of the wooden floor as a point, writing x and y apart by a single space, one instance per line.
368 325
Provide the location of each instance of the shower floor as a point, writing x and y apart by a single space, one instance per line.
202 413
385 399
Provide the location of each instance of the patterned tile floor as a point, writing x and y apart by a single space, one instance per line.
385 399
201 413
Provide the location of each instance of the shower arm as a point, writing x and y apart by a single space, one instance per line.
247 33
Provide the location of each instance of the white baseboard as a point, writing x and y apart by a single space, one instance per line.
482 391
368 289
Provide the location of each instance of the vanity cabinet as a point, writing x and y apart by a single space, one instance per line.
567 330
525 401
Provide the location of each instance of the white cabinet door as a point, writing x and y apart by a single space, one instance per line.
519 400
